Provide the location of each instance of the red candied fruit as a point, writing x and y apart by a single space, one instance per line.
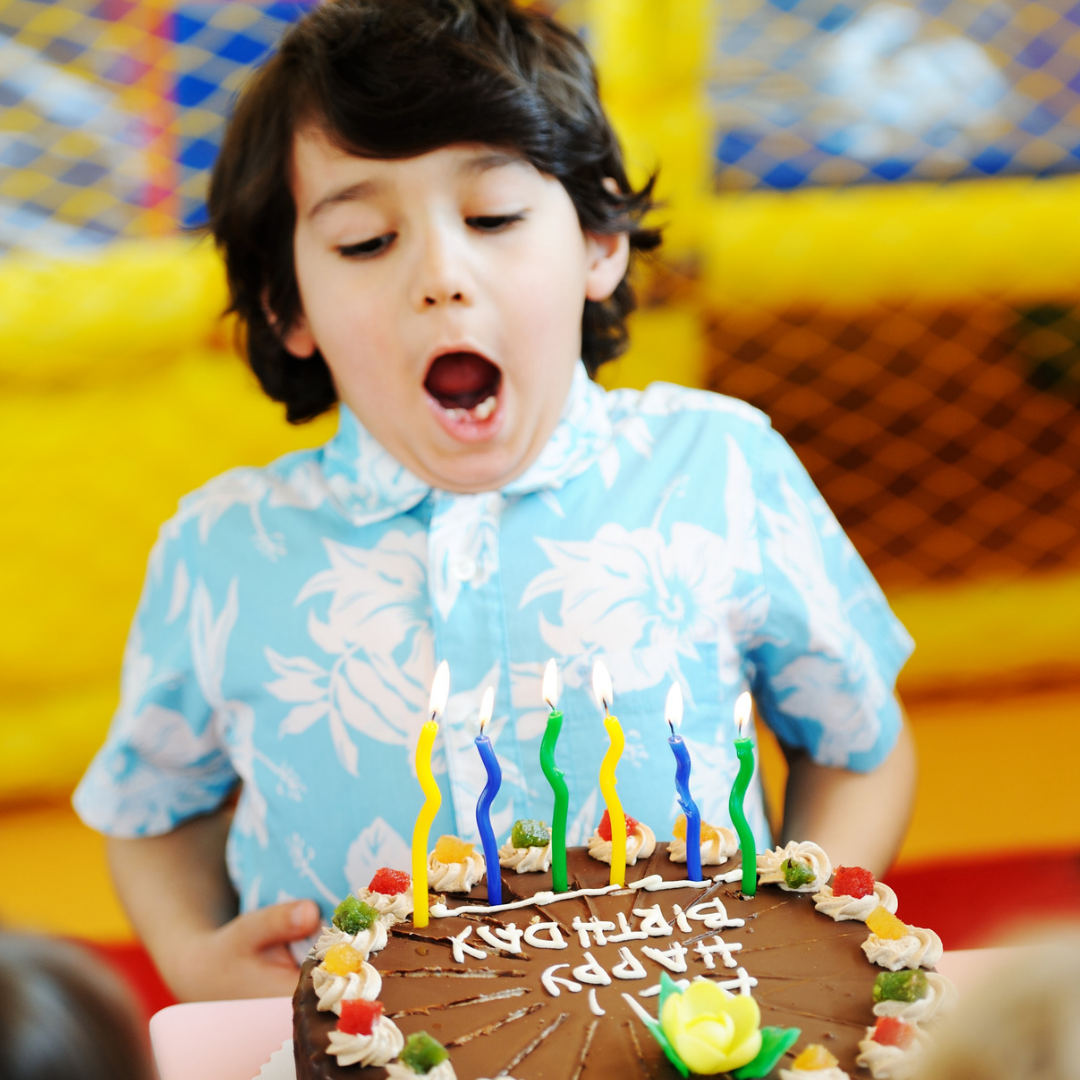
852 881
892 1031
604 828
359 1017
390 882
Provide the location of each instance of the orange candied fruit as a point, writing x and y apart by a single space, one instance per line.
342 959
815 1056
708 832
892 1031
885 924
450 849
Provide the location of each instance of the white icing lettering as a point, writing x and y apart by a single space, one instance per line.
713 914
552 982
674 959
680 920
507 938
742 982
625 933
594 1005
719 946
652 991
592 972
630 968
653 922
594 926
554 941
460 948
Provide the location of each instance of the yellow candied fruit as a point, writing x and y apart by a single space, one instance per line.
815 1056
886 925
342 959
450 849
708 832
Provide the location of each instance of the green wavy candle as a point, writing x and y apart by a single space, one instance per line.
556 779
747 848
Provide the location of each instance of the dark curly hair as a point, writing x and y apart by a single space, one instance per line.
396 79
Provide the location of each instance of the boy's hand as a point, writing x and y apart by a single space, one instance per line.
248 957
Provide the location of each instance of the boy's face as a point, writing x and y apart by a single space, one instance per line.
445 292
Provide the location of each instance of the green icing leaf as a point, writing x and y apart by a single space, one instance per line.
775 1042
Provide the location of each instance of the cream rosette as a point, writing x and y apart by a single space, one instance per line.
714 851
455 877
842 908
940 998
525 860
365 942
832 1073
379 1048
391 909
398 1070
917 948
640 844
891 1062
332 990
771 872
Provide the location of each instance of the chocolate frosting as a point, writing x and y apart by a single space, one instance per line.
494 1014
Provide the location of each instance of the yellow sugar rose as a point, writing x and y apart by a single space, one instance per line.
711 1030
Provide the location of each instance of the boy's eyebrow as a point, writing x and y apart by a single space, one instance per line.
361 190
493 159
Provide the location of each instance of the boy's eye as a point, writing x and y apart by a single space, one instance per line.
366 247
493 222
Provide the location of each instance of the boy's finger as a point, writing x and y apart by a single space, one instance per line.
280 922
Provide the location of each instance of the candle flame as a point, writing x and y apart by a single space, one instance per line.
550 689
743 706
673 707
601 686
487 706
440 690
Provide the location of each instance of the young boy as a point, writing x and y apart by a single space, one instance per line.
425 217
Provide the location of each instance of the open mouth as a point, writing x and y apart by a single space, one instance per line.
465 384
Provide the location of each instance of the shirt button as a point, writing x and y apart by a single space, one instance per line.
465 569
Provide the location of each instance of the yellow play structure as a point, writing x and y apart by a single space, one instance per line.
123 390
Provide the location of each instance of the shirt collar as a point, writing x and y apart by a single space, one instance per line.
370 485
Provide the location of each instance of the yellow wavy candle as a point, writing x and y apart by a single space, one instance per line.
422 829
611 799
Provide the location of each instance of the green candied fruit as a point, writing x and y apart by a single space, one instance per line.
352 915
797 873
530 833
901 986
422 1053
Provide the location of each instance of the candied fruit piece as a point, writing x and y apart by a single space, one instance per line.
892 1031
797 872
390 882
604 828
708 832
352 915
359 1017
450 849
901 986
885 924
422 1053
530 833
852 881
815 1056
342 959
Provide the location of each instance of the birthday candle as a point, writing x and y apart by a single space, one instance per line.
745 749
555 778
440 689
483 805
601 681
673 710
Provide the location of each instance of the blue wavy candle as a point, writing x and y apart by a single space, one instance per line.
487 797
673 712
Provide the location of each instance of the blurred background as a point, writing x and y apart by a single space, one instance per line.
874 236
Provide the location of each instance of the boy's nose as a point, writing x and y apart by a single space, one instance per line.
432 300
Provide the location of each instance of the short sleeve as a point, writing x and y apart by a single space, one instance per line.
825 665
164 760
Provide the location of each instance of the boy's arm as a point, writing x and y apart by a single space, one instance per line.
859 819
181 903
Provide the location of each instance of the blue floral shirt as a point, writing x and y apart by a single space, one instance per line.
293 616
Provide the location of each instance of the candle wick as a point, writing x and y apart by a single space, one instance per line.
671 726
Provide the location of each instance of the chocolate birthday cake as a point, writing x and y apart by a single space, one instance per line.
562 987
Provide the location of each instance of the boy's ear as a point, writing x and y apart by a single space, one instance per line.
298 338
609 256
